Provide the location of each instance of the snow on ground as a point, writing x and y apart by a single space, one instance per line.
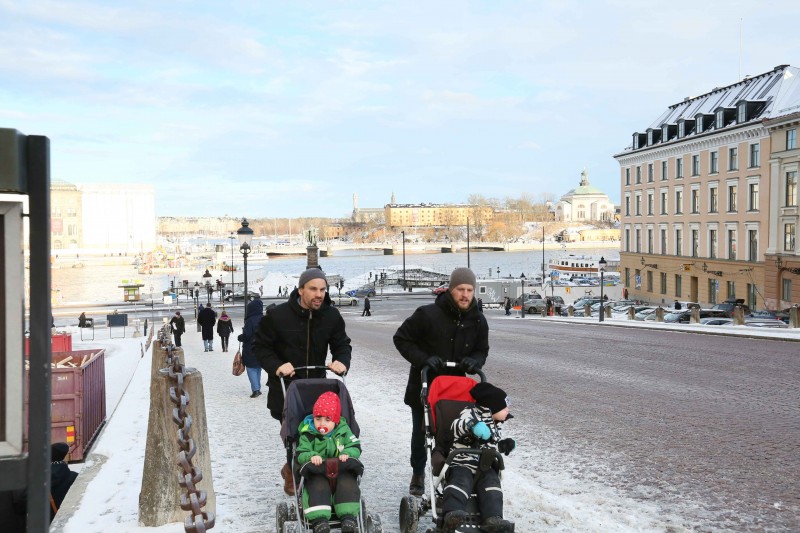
247 453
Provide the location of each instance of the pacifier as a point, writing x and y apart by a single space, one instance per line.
322 429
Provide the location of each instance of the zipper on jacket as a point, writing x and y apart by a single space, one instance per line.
308 339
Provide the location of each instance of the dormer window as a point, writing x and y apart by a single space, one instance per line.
681 129
653 136
664 133
720 121
699 123
741 113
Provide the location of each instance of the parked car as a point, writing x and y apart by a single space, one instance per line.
343 299
239 295
578 305
729 304
642 314
439 290
361 291
684 316
538 305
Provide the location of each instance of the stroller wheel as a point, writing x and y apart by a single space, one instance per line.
281 516
374 524
292 527
409 515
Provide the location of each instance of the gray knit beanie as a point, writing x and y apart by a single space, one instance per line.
311 273
461 276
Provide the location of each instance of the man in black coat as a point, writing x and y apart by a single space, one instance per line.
449 330
178 325
298 333
206 319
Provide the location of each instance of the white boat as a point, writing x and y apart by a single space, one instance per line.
586 266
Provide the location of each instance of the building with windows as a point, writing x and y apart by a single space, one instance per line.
700 218
586 203
436 215
66 216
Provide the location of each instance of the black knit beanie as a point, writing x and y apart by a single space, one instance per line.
489 396
58 451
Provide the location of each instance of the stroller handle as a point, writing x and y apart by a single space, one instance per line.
449 364
310 367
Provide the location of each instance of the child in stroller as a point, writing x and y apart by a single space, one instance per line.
464 444
326 437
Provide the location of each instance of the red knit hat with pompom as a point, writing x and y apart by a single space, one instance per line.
328 405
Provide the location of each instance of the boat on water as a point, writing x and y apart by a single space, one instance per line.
585 266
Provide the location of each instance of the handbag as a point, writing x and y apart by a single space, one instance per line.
238 366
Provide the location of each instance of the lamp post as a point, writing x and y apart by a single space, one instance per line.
467 242
542 257
522 296
602 263
233 283
196 294
403 233
245 235
206 276
498 272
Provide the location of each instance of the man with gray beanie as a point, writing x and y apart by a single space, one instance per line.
298 333
451 329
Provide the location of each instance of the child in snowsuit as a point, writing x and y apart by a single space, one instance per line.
478 426
326 443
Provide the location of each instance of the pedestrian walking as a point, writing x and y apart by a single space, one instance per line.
178 326
224 330
261 290
507 305
280 291
206 319
678 305
548 307
480 305
367 307
82 320
299 333
253 315
449 330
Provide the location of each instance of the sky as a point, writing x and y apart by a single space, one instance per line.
255 108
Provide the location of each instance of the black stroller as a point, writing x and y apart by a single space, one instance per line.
443 404
299 400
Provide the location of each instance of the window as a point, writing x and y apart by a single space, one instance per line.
627 240
712 243
789 234
733 158
713 200
678 202
791 188
786 290
649 281
638 205
731 244
752 197
713 284
741 116
752 245
56 211
731 198
664 175
695 242
755 155
679 167
650 203
663 283
681 129
638 175
713 164
650 173
627 206
71 212
627 176
791 139
649 241
751 295
638 241
720 123
695 201
627 277
663 202
699 124
678 283
663 241
678 241
695 165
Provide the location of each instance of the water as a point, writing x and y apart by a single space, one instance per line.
99 284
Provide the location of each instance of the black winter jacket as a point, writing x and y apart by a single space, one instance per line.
255 312
289 333
441 329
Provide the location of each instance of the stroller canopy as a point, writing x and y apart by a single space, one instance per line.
449 388
299 402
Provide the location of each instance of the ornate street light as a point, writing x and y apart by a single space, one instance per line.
602 263
403 233
498 272
245 235
196 294
209 288
522 296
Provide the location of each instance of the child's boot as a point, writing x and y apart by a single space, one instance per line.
453 519
320 525
496 524
349 524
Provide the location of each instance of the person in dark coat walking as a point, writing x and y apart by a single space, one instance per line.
224 329
367 307
299 333
61 477
449 330
206 319
507 305
253 315
178 325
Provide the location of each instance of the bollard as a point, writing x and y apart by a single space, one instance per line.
631 313
660 314
794 317
570 311
160 495
695 317
607 311
587 310
738 315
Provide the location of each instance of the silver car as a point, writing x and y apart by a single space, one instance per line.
343 299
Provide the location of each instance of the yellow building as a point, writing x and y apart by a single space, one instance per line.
436 215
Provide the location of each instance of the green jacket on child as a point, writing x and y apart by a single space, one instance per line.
339 441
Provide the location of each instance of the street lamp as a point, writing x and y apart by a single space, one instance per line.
522 296
498 272
403 233
209 288
233 283
602 263
245 235
196 294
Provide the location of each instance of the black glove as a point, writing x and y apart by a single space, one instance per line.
506 446
435 363
240 338
469 365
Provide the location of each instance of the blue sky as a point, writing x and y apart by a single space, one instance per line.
260 108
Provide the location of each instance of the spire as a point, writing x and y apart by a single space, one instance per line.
394 201
355 201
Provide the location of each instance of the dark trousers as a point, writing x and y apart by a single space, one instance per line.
461 482
224 340
418 455
178 340
366 312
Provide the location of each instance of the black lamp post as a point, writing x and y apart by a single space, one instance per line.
602 263
206 276
196 294
233 283
522 296
245 235
498 272
403 233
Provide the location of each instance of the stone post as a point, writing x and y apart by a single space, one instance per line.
738 315
607 311
631 313
695 318
587 310
659 314
794 317
570 311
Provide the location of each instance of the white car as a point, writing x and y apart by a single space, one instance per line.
343 299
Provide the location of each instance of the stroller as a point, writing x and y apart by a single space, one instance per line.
443 404
299 400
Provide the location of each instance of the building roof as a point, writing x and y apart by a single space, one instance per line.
584 189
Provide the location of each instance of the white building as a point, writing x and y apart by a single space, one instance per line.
119 217
584 204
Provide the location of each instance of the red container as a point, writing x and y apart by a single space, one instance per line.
60 342
78 400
